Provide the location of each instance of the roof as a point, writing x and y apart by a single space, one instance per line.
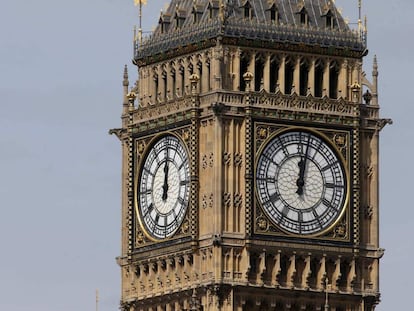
297 21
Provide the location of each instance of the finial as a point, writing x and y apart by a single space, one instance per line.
140 3
97 299
365 24
375 68
248 77
221 10
126 82
326 295
359 16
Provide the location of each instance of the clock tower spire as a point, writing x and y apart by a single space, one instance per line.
250 161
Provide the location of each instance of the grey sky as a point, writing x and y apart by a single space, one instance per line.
61 65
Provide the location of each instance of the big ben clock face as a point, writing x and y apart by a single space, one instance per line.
163 188
301 182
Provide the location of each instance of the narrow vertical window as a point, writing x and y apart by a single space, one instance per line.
319 78
200 74
333 79
329 20
174 84
156 86
304 77
303 17
208 88
165 85
248 10
244 67
259 71
273 14
274 74
289 73
182 80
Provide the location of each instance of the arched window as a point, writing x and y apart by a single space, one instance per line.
248 11
330 21
179 19
164 22
197 14
213 10
303 17
274 14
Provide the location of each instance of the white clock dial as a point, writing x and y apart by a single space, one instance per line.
301 182
163 188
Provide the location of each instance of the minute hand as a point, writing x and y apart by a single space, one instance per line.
300 182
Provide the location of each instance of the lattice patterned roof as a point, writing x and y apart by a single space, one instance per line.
191 21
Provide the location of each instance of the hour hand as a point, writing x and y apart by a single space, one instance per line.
300 182
165 186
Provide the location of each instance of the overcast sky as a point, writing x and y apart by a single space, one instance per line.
61 66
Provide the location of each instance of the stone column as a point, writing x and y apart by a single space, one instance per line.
311 84
251 69
204 77
170 84
343 80
296 76
325 88
236 70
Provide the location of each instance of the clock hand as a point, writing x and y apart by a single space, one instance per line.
300 182
165 186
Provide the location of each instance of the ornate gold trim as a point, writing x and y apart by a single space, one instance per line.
262 129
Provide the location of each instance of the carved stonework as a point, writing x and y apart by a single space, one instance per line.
207 200
340 231
237 200
140 238
227 199
369 211
238 159
227 158
207 160
262 133
262 224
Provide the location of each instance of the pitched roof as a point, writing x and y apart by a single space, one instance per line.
231 21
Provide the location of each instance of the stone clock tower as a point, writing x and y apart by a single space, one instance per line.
250 161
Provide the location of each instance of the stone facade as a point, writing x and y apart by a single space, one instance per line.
224 96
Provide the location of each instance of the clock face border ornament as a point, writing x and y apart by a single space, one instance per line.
301 182
162 187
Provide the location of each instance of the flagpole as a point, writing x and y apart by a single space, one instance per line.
140 22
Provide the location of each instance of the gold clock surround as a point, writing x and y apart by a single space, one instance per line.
143 147
339 142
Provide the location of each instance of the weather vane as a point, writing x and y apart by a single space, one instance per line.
140 3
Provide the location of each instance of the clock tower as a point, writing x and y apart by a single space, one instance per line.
250 161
